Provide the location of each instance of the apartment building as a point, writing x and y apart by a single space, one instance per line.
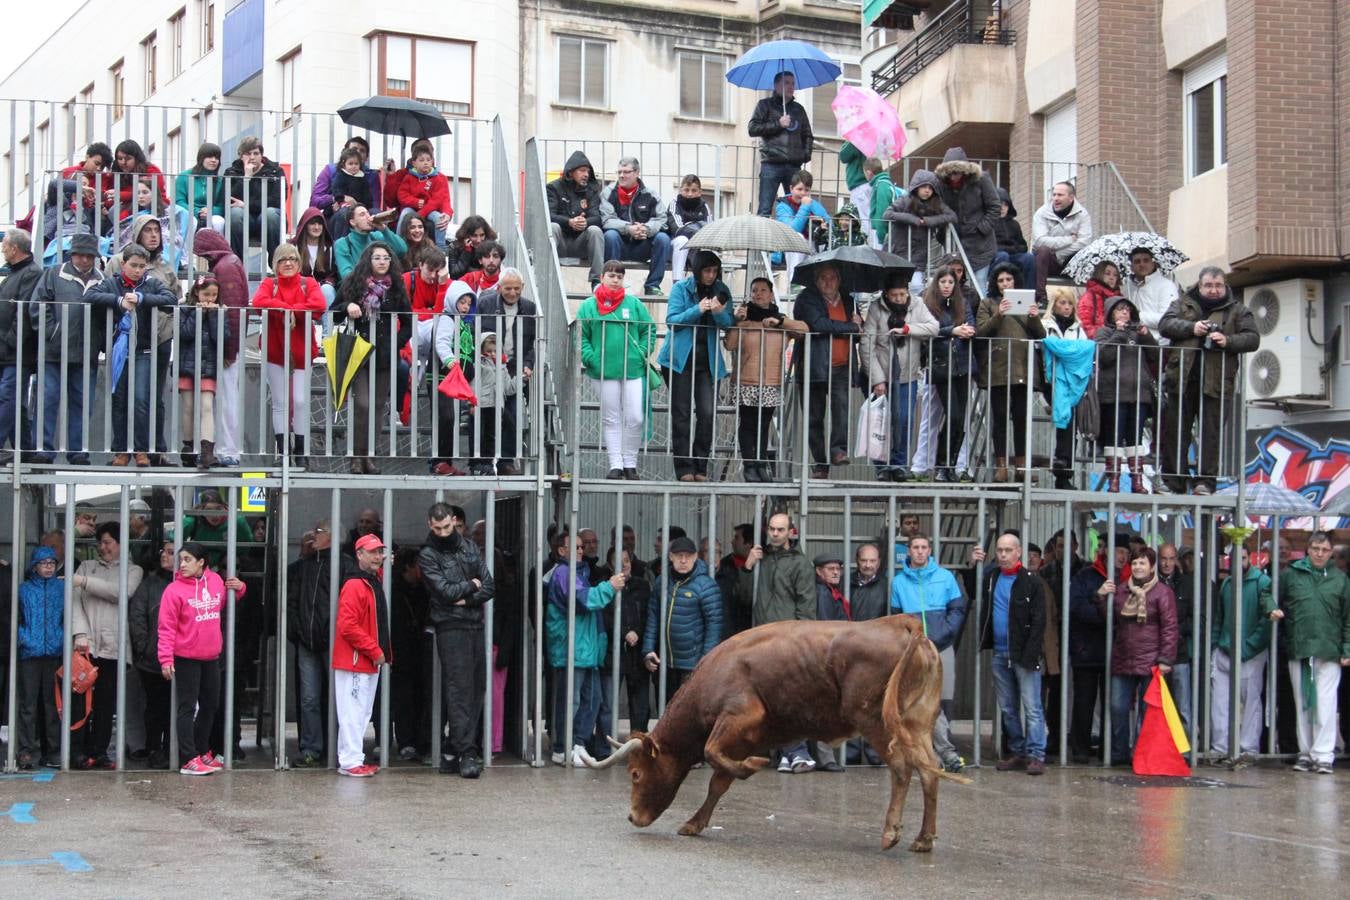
1225 119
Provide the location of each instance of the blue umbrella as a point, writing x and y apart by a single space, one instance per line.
809 65
120 348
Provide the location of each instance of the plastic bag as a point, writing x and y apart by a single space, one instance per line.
874 425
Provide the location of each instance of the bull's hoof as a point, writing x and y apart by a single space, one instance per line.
691 829
889 839
922 844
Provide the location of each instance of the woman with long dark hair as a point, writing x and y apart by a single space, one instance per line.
315 244
373 300
950 361
201 190
129 168
462 252
1004 370
414 231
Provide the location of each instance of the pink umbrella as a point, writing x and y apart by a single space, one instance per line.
869 122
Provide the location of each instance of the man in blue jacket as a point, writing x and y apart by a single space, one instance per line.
691 603
923 588
41 629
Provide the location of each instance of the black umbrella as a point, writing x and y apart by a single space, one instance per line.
395 115
861 268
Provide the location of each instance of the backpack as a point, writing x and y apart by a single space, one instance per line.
81 683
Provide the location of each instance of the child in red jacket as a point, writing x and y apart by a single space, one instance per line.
360 647
425 191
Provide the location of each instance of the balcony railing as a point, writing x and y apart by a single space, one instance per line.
957 25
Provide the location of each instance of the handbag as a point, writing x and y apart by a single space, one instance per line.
85 673
1087 415
874 421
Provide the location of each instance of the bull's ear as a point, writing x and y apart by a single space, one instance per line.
649 744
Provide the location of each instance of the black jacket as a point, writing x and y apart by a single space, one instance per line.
154 294
527 318
62 294
812 309
1183 588
449 566
208 336
776 143
18 287
266 188
1026 618
566 200
380 329
460 259
1007 230
871 600
633 605
143 618
308 602
1087 624
738 596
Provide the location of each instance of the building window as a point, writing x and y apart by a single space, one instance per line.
25 162
177 25
173 150
72 120
822 116
290 100
44 146
149 57
206 21
1205 116
87 108
702 82
583 72
119 91
435 71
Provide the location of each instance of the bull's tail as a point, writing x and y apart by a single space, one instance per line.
924 688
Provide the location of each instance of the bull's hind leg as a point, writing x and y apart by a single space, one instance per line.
717 786
901 773
928 777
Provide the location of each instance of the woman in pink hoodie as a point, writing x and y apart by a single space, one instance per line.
189 652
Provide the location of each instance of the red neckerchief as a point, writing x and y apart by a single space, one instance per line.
1017 567
131 285
792 202
607 299
839 596
738 561
626 194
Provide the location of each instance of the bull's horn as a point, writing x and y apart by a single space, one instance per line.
620 752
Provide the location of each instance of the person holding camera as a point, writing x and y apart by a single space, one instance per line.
1208 328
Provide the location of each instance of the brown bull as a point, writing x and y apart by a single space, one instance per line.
777 684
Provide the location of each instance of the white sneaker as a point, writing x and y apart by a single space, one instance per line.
784 765
579 756
802 764
559 758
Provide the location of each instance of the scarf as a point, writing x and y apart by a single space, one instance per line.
690 207
1136 605
374 294
607 299
1061 213
626 194
1064 322
738 562
1017 567
792 202
756 313
705 291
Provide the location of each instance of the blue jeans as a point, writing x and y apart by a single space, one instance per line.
12 410
585 706
1024 261
655 250
264 228
437 234
75 382
1127 694
902 398
143 361
313 670
772 177
1013 685
1179 683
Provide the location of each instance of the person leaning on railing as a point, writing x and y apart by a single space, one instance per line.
1208 327
920 219
1124 386
235 296
1004 369
757 345
942 421
1060 322
895 333
833 321
295 304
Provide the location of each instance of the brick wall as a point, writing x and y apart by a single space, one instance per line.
1282 153
1126 112
1024 143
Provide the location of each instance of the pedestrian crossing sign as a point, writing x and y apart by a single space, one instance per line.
253 498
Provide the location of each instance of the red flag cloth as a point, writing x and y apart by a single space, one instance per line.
1155 752
455 386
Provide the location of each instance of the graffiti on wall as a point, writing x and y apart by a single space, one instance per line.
1295 461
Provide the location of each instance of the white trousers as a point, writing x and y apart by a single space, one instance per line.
354 699
862 201
1253 685
679 256
790 261
227 411
621 411
299 404
931 411
1317 731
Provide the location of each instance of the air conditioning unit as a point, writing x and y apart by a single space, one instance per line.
1288 316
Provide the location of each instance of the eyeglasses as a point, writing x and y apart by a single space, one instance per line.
320 530
380 257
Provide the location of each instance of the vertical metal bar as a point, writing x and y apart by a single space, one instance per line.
232 613
663 639
1272 654
616 640
1111 573
68 612
334 585
1066 565
279 713
387 579
979 617
124 533
17 555
489 552
173 683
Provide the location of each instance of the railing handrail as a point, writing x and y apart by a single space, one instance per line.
955 25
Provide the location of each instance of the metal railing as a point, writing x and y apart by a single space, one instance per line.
957 24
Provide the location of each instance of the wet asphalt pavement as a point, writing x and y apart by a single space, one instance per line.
551 833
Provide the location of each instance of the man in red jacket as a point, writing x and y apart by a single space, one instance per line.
360 647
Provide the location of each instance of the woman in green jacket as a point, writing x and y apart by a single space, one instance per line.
617 336
201 190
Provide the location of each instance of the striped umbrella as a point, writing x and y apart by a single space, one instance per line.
752 233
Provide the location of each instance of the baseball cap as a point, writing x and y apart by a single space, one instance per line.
369 542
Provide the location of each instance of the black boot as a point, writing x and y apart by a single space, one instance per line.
298 460
189 458
208 456
280 440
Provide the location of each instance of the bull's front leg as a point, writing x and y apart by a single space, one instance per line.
717 786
